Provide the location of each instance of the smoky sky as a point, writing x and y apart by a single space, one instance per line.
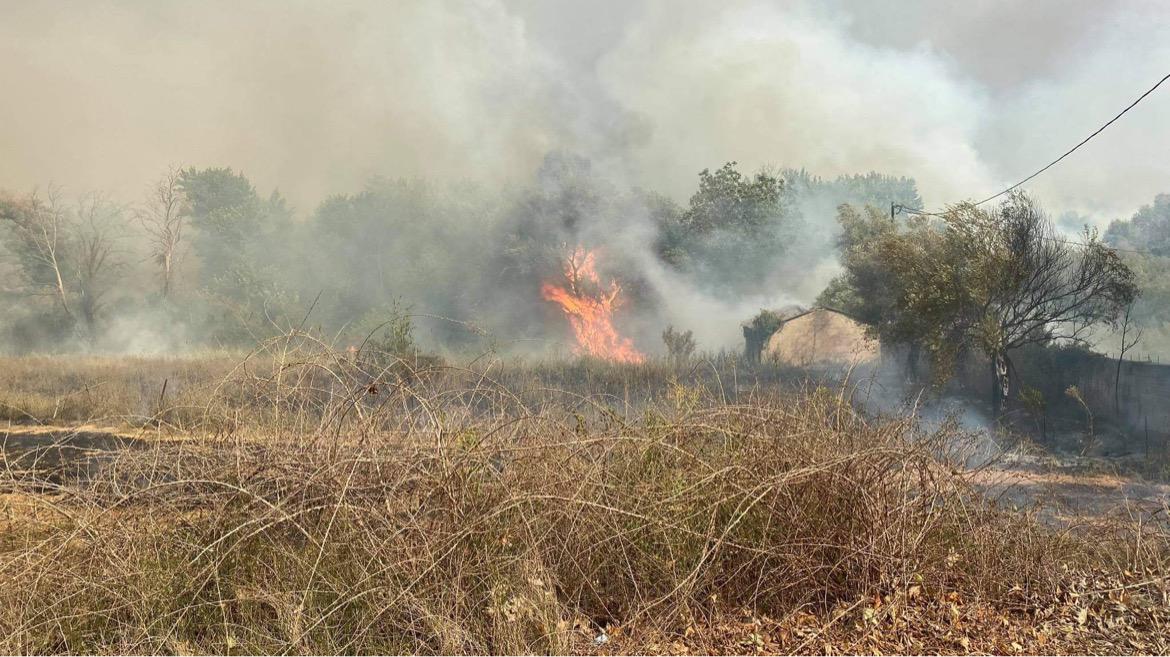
314 98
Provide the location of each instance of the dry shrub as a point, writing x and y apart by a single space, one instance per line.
400 508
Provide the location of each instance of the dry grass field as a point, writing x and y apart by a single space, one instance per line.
298 499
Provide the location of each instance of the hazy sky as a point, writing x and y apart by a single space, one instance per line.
315 97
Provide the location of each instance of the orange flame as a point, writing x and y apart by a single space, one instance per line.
591 314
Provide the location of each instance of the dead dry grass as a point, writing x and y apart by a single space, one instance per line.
334 505
109 390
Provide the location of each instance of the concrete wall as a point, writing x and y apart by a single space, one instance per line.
1137 418
1142 401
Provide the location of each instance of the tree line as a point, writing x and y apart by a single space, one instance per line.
205 259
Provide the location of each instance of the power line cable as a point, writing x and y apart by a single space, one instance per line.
896 208
1082 142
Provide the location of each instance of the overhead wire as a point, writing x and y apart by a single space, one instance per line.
897 208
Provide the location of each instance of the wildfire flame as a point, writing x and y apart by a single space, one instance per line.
590 311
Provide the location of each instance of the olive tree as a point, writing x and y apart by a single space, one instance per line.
990 280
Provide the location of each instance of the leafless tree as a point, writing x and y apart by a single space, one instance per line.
65 251
96 230
162 217
1128 341
40 225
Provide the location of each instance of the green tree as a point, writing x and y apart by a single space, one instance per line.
992 281
395 242
227 215
241 242
727 200
876 189
1145 238
730 233
866 289
1147 230
757 332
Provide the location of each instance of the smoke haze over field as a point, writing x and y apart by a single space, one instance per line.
313 98
317 99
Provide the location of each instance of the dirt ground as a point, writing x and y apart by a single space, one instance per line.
1073 488
1105 615
1061 488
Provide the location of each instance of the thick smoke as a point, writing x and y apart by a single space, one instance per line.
317 99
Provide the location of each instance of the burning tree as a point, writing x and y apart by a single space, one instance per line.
590 306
